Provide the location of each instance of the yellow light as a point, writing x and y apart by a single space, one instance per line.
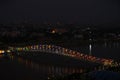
2 51
49 46
8 51
107 63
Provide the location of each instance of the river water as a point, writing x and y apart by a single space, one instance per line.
102 50
19 68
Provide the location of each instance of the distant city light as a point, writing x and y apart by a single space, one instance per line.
2 51
8 51
53 31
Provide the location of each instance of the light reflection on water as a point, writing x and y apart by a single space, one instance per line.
102 50
105 50
47 69
90 49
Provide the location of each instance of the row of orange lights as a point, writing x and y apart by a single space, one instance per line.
80 55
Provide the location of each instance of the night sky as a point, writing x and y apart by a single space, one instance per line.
65 11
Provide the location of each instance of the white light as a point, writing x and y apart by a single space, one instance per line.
90 49
2 51
8 51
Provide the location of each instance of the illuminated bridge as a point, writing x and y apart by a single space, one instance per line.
65 52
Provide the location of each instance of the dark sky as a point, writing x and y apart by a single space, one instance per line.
65 11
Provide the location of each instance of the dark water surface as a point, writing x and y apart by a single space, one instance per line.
15 71
41 67
104 50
